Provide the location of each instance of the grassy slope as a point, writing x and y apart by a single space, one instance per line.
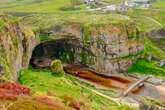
35 5
159 4
44 21
146 19
149 19
39 5
43 82
143 66
112 1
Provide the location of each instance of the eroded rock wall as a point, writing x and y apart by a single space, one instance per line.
16 45
115 47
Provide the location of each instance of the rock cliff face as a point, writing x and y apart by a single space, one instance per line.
16 45
113 47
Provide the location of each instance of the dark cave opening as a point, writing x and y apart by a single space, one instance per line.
68 50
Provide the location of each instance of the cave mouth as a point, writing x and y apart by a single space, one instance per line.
68 50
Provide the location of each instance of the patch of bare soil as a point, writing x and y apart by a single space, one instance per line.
121 82
117 81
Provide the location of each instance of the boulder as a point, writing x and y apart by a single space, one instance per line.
57 67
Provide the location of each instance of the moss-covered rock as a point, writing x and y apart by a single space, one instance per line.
57 67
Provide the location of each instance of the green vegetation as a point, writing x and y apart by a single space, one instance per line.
45 21
43 15
159 4
112 1
36 5
43 81
147 20
143 66
6 19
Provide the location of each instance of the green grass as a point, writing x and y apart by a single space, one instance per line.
35 5
159 4
148 20
43 81
145 67
44 21
5 20
112 1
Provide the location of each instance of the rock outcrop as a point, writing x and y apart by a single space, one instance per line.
114 47
160 33
16 45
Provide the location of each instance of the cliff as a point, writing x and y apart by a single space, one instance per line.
16 45
114 48
97 41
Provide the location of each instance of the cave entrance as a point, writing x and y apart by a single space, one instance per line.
68 50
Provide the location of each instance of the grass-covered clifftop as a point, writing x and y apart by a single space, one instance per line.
44 21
